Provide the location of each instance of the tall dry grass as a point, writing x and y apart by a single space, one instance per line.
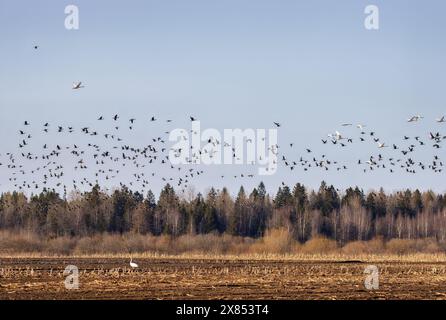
16 242
275 242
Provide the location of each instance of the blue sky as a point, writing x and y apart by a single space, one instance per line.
310 65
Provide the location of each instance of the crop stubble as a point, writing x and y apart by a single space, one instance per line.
112 278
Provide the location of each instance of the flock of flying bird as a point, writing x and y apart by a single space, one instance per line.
402 159
46 169
110 158
107 156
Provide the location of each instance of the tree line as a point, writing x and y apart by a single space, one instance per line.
348 216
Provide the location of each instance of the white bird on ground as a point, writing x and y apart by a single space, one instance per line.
133 264
415 118
442 119
77 85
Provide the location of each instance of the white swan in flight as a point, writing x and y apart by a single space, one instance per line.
415 118
77 85
382 145
336 136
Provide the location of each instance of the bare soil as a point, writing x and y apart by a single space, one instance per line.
112 278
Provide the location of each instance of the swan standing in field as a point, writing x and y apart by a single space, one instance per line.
133 264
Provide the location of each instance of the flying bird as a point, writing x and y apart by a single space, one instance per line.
440 120
77 85
415 118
